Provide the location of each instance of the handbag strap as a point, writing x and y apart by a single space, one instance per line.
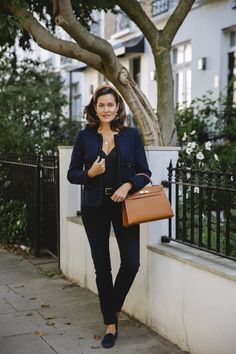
144 174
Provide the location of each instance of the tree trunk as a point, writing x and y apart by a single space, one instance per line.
165 96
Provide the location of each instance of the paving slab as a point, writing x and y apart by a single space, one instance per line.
42 312
25 344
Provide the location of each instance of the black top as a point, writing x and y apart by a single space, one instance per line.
109 177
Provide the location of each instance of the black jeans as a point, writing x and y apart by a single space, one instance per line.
97 223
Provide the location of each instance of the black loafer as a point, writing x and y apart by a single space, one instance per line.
109 340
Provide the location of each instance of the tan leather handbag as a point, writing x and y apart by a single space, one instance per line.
148 204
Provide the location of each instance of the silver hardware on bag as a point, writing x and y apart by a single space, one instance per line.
144 191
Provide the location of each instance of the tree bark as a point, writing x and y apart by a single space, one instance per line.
165 102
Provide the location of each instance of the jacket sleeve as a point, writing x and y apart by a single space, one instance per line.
139 181
77 174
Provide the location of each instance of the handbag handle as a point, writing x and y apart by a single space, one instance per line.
144 174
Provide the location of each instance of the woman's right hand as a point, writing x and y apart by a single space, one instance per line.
97 168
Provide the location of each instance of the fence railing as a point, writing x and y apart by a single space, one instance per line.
34 180
205 209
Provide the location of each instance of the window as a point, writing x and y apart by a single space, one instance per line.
95 26
76 101
182 57
161 6
122 21
182 54
232 67
135 69
233 39
123 24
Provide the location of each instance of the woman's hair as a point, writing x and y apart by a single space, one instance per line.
90 113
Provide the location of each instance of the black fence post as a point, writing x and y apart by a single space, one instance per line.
57 200
37 240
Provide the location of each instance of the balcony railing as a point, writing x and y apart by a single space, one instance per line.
161 6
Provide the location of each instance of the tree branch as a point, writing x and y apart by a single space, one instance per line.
47 41
136 13
81 35
177 18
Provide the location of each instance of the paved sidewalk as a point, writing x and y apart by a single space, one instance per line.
42 313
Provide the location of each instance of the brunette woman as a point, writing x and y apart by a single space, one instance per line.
106 159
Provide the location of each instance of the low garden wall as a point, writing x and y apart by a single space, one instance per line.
186 295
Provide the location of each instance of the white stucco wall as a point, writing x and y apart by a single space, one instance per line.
186 295
192 302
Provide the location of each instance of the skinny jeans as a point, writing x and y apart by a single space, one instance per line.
97 222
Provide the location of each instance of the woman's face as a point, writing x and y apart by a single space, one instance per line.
106 108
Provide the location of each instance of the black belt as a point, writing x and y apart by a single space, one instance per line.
109 191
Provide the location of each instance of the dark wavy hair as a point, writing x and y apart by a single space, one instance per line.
90 113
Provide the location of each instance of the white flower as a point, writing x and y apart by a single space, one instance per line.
193 132
196 189
200 155
188 175
189 151
191 145
216 157
208 145
184 137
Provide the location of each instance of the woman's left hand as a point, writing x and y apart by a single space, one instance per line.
120 194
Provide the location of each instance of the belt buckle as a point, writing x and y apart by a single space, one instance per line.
108 191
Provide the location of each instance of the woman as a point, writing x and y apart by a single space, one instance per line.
106 158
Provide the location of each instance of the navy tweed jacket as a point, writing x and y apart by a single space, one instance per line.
131 161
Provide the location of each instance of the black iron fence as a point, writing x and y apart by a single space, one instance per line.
205 209
50 203
34 180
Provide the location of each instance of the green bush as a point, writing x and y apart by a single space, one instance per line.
13 222
13 217
32 105
210 119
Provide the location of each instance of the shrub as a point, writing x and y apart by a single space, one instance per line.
13 218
